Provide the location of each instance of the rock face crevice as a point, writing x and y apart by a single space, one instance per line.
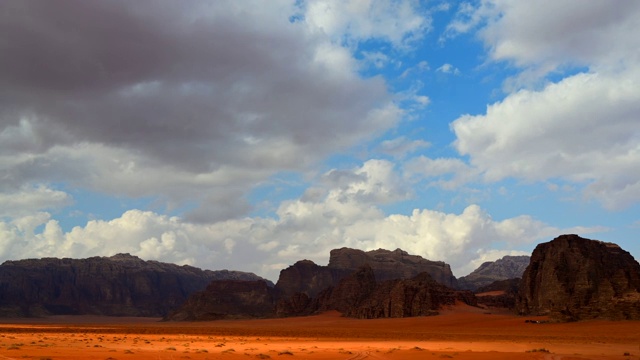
120 285
572 278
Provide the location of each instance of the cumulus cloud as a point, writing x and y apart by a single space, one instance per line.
339 211
176 98
582 128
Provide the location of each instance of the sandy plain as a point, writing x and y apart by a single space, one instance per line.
460 332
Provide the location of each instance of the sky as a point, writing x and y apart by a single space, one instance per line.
247 135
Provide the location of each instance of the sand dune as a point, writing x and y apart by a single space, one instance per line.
461 332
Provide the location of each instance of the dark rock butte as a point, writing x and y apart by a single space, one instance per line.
228 299
572 278
120 285
359 295
309 278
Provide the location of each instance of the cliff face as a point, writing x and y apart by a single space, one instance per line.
360 295
121 285
309 278
390 265
509 267
573 278
228 299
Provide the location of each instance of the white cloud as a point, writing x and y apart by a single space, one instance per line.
398 22
28 200
448 69
421 67
447 173
583 129
340 211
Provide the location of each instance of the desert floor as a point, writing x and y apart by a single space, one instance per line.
458 333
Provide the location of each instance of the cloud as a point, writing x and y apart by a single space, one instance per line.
184 99
340 210
551 34
581 128
402 146
448 69
446 173
28 200
398 22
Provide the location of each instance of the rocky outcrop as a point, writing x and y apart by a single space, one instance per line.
419 296
499 294
120 285
572 278
228 299
390 265
359 295
310 279
509 267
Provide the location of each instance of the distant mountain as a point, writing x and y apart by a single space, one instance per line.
509 267
573 278
120 285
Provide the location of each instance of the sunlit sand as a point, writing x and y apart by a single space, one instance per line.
461 332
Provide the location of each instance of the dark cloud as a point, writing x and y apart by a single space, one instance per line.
190 86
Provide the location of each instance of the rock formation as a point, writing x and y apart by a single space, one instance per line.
419 296
499 294
360 295
120 285
509 267
572 278
228 299
309 278
390 265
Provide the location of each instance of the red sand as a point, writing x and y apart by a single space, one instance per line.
461 332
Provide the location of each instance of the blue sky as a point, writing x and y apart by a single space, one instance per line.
248 135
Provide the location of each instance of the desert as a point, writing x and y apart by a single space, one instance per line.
459 332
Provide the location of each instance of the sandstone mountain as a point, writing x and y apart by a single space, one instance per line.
309 278
390 265
359 295
509 267
572 278
355 282
120 285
